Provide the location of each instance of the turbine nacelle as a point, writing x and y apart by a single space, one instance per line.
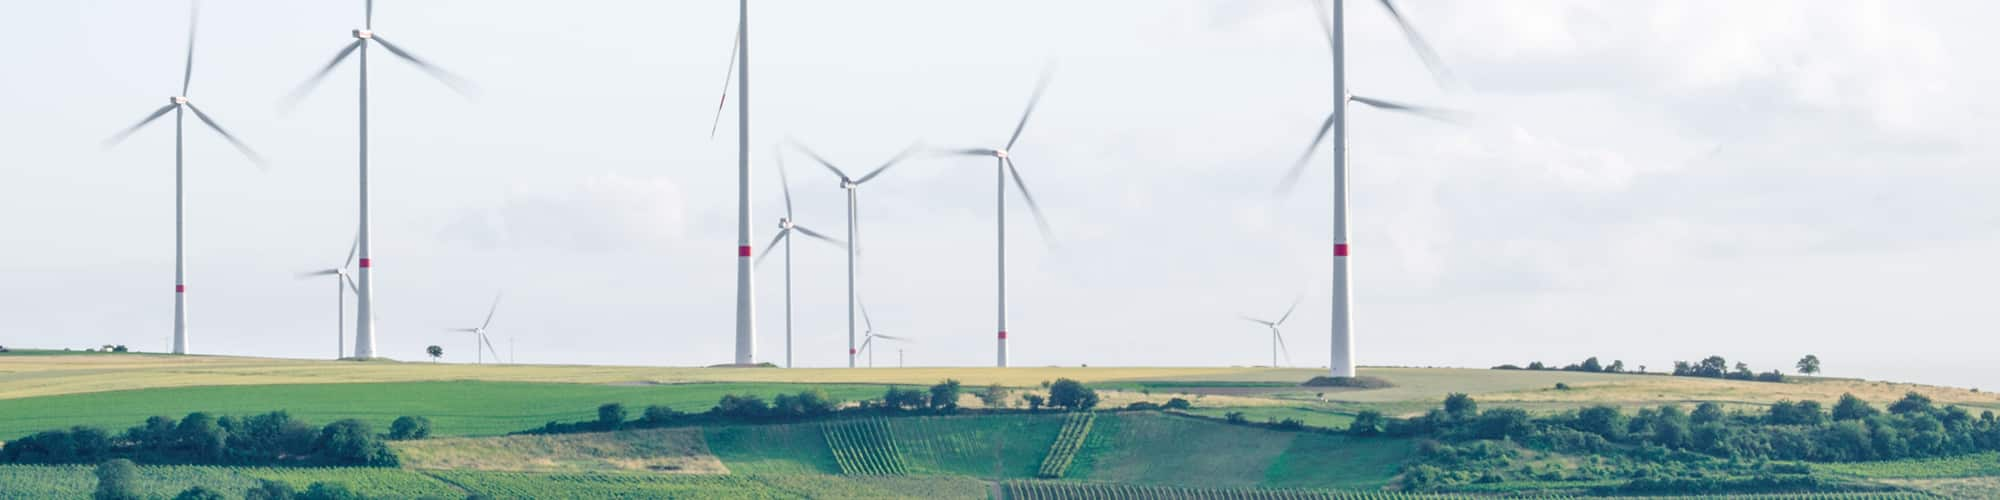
785 223
1000 153
364 34
848 184
178 100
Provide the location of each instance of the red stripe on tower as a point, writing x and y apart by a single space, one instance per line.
364 262
180 288
1340 249
1003 335
851 351
743 251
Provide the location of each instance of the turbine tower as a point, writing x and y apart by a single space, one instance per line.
853 229
179 105
786 225
1277 338
1004 168
343 283
1333 22
364 309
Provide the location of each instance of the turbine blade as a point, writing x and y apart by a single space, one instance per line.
187 73
368 20
784 181
735 47
774 244
313 82
233 141
983 152
864 317
1287 351
1288 311
490 312
1434 113
1253 320
483 338
1299 167
892 162
459 85
1048 236
351 286
1033 99
1325 18
818 236
122 134
822 161
313 274
1423 48
352 249
898 339
462 330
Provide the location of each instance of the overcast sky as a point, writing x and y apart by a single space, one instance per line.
1645 181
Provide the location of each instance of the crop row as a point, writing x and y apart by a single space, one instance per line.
1063 490
1063 451
865 447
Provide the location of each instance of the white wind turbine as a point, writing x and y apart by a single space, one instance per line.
364 331
179 104
786 226
868 344
1004 168
1333 22
1277 338
853 228
343 283
479 335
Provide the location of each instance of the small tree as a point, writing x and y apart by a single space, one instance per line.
1461 407
1034 401
994 396
610 415
119 348
270 490
1809 365
409 427
1072 395
330 491
435 352
117 479
659 415
1852 408
1177 404
1366 423
897 398
944 396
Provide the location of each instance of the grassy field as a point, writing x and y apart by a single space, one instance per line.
76 481
772 449
455 408
681 451
1153 448
746 486
971 445
1325 419
1978 464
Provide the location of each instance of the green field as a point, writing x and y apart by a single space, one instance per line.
864 447
749 486
1321 418
1978 464
455 408
76 481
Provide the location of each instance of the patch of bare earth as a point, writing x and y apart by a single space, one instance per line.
671 451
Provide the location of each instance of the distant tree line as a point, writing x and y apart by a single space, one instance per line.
1710 367
938 399
274 438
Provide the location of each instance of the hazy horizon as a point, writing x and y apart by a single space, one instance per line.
1640 181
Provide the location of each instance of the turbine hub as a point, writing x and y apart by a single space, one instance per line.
1000 153
848 184
364 34
178 99
784 223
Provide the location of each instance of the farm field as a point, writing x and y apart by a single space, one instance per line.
1324 419
461 408
658 450
749 486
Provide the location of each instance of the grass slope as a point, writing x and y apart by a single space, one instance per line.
1011 446
772 449
658 450
455 408
750 486
1162 449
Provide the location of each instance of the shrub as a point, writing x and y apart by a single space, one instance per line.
742 407
410 427
994 396
1235 417
1912 402
1142 405
1852 408
1562 386
352 442
330 491
1366 423
1459 406
898 398
1034 401
270 490
117 479
198 493
1182 404
659 415
611 416
1072 395
944 396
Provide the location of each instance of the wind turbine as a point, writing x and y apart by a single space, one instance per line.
343 283
853 228
364 330
1333 22
479 335
1277 339
179 105
786 225
869 343
1004 163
